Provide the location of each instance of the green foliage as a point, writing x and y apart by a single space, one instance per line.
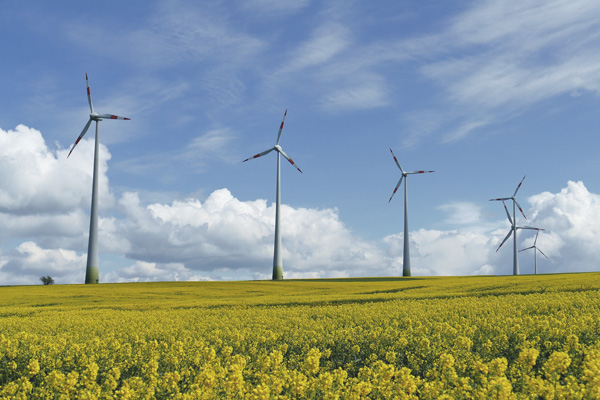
47 280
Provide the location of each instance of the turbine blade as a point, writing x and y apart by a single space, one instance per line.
507 213
289 159
85 129
396 160
541 252
532 247
419 172
110 116
536 237
281 127
505 239
501 199
260 154
519 186
519 206
89 93
529 227
396 188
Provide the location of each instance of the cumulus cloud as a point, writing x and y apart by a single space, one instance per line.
226 234
28 262
142 271
223 237
37 180
43 194
572 222
435 252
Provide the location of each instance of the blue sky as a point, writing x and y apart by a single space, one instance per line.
481 92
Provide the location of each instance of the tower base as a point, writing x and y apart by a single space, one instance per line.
91 275
277 273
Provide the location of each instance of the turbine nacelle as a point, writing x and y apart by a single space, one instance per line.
404 174
277 148
94 116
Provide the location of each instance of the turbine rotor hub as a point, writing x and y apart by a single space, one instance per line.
95 116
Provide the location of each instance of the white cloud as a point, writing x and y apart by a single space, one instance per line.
326 42
196 154
435 252
343 71
36 180
175 32
142 271
28 262
462 213
224 232
358 97
507 56
43 194
223 237
572 222
274 8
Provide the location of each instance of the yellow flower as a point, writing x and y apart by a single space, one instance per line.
33 368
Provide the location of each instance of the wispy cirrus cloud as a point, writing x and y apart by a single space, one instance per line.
509 56
273 8
197 153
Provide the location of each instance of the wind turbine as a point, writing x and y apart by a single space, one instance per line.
515 203
513 229
406 253
535 250
277 263
91 271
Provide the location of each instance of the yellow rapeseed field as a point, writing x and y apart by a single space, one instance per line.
524 337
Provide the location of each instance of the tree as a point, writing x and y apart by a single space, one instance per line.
47 280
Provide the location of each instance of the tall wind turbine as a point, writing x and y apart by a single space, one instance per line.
277 263
91 271
406 253
535 250
515 203
513 229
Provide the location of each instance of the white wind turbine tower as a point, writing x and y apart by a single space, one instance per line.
91 271
535 250
515 204
277 263
513 229
406 253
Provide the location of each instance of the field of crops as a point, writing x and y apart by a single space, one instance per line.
507 337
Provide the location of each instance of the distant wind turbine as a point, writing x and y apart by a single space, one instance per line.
535 250
277 263
515 203
406 253
513 229
91 271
